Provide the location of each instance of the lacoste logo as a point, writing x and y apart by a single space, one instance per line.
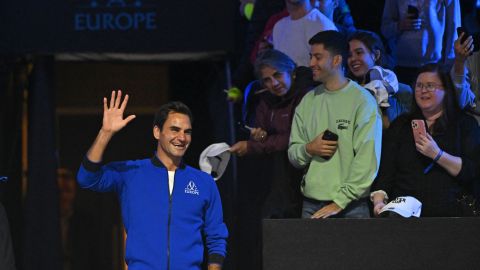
342 124
192 188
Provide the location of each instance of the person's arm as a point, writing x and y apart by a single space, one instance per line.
386 174
429 148
463 90
464 167
390 19
271 143
297 153
242 148
91 174
112 122
452 21
379 199
215 230
367 141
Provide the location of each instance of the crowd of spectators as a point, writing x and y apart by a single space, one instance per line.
351 138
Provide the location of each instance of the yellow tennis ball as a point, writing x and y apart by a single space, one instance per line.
234 94
248 10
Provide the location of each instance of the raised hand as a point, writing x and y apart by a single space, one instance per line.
113 120
463 49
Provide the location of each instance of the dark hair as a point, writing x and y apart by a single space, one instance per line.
373 43
170 107
451 109
334 42
275 59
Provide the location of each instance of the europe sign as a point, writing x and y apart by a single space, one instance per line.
143 26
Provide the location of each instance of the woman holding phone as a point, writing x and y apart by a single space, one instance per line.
441 164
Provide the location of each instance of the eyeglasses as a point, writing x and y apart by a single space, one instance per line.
429 87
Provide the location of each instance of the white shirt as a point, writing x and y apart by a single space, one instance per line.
291 36
171 177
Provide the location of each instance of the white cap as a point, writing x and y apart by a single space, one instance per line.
214 159
387 76
406 206
383 83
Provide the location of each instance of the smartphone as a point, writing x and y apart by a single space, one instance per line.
413 12
329 136
461 30
418 128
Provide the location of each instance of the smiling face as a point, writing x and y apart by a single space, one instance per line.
429 92
360 59
174 137
321 63
278 83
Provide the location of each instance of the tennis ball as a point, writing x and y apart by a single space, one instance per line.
234 94
248 10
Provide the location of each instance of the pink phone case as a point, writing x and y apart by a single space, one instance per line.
418 128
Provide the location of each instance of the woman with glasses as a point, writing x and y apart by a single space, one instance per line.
366 51
437 168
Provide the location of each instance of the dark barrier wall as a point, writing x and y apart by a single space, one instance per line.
427 243
149 26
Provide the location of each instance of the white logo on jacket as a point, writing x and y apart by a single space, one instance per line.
192 188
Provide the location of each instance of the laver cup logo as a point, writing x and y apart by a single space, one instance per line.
114 15
192 188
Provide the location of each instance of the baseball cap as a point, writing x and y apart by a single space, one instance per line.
214 159
406 206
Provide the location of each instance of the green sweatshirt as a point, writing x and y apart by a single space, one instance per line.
353 115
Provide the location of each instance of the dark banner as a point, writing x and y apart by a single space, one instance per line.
127 26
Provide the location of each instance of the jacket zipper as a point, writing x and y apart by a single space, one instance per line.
169 221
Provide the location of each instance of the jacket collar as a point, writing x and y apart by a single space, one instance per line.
157 163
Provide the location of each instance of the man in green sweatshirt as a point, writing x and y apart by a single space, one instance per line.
341 171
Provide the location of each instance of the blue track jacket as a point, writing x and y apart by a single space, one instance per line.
163 231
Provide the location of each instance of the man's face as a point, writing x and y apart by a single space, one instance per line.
175 136
321 63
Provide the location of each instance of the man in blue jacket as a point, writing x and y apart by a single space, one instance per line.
168 208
